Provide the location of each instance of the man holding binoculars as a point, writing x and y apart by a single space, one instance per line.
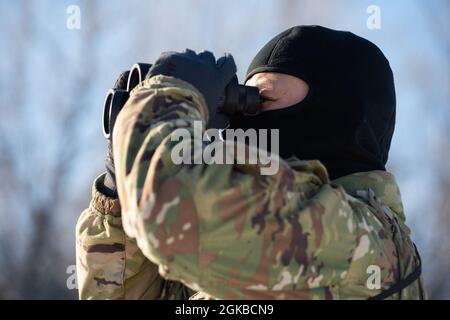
327 226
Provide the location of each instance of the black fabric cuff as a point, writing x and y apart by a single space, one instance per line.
104 186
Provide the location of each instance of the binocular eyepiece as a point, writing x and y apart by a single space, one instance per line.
237 99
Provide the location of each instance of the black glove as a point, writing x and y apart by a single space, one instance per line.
108 187
204 73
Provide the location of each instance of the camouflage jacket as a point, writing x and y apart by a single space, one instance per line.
227 232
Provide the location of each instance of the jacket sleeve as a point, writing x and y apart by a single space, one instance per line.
225 229
110 264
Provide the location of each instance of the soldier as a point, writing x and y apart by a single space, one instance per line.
328 226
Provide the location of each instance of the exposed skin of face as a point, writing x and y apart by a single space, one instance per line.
278 90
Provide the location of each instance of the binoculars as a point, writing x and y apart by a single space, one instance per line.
236 100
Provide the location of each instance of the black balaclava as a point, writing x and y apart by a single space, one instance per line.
347 119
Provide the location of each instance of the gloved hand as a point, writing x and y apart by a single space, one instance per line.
108 187
207 75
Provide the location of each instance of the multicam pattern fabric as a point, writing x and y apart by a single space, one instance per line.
226 231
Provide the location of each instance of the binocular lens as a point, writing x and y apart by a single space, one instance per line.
106 112
137 74
114 101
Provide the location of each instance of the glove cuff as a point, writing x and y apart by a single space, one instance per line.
103 203
105 185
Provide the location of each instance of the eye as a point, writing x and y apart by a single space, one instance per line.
267 94
267 98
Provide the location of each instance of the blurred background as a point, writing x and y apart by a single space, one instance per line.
58 58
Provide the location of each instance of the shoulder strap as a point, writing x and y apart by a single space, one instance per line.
402 284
